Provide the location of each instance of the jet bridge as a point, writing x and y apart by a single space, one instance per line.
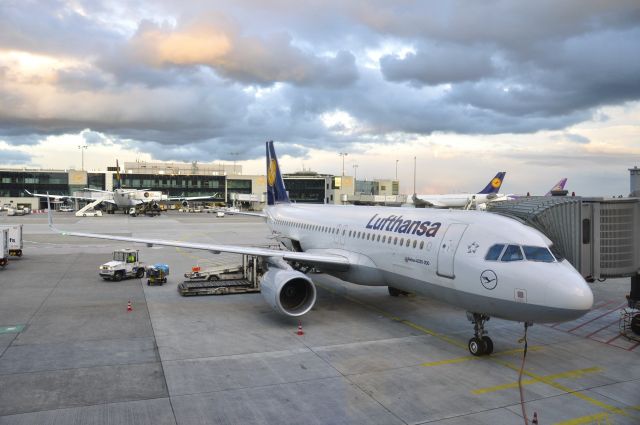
599 236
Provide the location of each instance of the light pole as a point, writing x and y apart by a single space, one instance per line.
397 169
82 149
355 172
414 174
343 154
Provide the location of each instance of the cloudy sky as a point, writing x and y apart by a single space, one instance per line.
541 89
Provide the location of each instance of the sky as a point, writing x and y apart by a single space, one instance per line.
541 90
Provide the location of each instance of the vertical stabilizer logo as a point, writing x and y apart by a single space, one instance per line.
495 183
271 173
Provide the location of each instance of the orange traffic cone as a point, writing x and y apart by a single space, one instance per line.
300 332
129 308
535 418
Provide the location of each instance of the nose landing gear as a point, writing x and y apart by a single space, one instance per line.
480 344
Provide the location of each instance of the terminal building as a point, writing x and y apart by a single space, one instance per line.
225 183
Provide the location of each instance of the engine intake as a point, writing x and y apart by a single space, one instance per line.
289 292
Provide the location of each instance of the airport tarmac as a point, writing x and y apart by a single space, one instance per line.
71 353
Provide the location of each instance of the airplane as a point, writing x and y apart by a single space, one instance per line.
487 264
128 200
463 200
557 188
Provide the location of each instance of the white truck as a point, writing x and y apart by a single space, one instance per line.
124 265
15 239
4 246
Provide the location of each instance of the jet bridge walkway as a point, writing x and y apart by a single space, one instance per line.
599 236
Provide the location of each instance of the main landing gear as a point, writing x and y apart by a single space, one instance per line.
480 344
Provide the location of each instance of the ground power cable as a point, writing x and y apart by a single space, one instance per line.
524 357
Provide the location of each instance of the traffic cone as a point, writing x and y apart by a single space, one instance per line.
129 308
535 418
300 332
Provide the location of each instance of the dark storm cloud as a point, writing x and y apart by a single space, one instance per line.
13 157
189 80
439 64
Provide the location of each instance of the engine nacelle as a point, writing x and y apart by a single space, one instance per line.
288 291
185 204
155 206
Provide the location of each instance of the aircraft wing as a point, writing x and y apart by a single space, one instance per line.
190 198
303 257
59 197
247 213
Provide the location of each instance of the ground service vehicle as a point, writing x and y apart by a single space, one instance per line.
157 274
15 239
4 246
124 265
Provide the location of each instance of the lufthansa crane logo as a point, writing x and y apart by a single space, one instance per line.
271 173
496 182
146 194
489 279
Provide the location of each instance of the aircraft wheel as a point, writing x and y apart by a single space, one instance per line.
635 324
394 292
476 346
488 343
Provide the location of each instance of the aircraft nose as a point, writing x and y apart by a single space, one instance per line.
574 295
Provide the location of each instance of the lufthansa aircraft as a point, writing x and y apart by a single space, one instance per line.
462 200
487 264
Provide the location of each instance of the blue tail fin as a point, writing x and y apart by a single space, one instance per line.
118 180
276 192
494 184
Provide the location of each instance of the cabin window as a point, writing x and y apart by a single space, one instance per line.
384 238
415 243
343 232
512 253
378 238
538 253
408 242
494 252
349 233
395 240
421 244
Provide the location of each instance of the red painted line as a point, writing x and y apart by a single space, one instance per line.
613 339
634 347
601 329
597 317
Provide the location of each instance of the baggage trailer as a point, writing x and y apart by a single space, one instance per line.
15 239
226 279
4 246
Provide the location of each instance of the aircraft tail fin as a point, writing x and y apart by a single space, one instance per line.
118 179
558 187
494 184
276 192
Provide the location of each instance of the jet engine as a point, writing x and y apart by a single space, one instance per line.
289 292
155 206
185 204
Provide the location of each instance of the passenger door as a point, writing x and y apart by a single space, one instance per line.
448 247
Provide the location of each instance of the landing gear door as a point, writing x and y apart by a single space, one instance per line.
448 247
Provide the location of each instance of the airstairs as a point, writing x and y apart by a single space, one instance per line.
89 210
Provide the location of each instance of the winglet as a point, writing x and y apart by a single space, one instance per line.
49 215
494 184
28 193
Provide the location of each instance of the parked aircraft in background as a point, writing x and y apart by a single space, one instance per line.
487 264
129 201
464 200
557 188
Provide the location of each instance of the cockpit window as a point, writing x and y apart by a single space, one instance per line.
512 253
556 253
494 252
538 253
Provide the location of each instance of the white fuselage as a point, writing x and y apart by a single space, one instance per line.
460 200
127 198
438 253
